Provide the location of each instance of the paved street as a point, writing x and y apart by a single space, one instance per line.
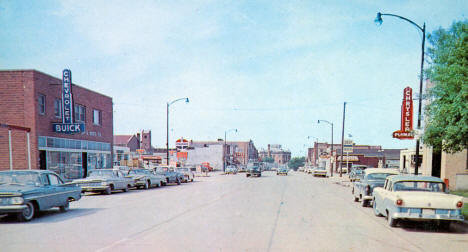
225 213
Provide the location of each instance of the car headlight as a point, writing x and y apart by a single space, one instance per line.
16 200
104 183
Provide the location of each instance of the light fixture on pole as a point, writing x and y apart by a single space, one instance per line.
225 147
167 124
331 154
378 20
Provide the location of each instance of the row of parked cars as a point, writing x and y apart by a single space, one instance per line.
400 197
25 192
316 171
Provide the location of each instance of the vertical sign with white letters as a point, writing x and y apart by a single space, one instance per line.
67 99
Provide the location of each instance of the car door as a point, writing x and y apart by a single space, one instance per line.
60 191
46 198
378 195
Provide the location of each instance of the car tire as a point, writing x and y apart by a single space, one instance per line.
376 212
178 181
108 191
391 221
28 213
247 175
364 203
147 185
356 199
191 180
65 207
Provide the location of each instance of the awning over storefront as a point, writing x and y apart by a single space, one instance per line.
349 158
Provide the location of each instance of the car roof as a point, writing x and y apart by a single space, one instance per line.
35 171
399 178
381 170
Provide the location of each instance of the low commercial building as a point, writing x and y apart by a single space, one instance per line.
275 151
50 123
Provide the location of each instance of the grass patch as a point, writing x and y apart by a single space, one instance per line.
465 206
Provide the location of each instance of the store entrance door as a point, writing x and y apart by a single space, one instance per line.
42 160
84 159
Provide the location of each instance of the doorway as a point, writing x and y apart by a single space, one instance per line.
436 163
84 162
42 160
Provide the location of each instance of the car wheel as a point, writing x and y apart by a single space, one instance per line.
178 181
247 175
125 189
390 220
191 180
364 202
28 213
356 199
108 191
147 185
65 207
376 212
444 225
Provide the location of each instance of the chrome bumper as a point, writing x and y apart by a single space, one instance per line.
418 216
93 188
12 208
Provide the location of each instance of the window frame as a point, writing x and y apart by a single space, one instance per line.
59 109
78 108
43 105
99 121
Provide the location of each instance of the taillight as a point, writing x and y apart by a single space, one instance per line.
459 204
399 202
367 190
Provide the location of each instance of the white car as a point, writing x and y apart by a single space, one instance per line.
371 179
319 171
422 198
187 172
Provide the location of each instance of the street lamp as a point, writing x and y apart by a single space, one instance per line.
167 124
225 147
331 154
379 21
316 149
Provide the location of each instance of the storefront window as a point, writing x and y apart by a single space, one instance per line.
66 164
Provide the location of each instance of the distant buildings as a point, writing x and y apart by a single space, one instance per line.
275 151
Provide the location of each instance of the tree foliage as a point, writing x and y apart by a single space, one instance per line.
447 113
296 162
268 160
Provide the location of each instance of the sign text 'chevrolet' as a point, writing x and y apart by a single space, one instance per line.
67 126
406 130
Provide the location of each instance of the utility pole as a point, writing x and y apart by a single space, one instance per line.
342 139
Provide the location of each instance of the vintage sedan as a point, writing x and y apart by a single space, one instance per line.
105 181
188 174
371 178
25 192
170 174
231 169
421 198
319 171
145 179
253 169
282 171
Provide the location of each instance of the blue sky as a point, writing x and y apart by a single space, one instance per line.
271 69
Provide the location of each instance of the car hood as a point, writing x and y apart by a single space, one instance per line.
428 199
91 179
16 190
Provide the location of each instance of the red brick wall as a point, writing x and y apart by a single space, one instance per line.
18 106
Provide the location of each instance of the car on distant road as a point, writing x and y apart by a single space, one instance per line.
105 181
144 178
26 192
319 171
188 174
420 198
253 169
231 169
170 174
282 171
371 179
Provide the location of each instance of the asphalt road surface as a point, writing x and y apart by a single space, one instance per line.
225 213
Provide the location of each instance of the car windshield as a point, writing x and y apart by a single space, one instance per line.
100 173
162 169
424 186
138 171
320 168
183 169
19 178
378 176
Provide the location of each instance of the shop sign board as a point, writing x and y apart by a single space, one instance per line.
406 128
348 145
182 143
67 126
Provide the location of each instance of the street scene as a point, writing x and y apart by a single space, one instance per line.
233 125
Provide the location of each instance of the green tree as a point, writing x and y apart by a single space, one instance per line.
447 114
296 162
268 160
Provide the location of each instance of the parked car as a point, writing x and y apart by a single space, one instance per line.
105 181
253 169
282 171
308 169
319 171
188 174
242 168
145 179
371 178
231 169
421 198
171 175
25 192
356 172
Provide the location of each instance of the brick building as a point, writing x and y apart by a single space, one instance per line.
275 151
31 99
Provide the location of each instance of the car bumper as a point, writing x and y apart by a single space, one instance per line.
12 209
427 217
320 174
367 197
93 188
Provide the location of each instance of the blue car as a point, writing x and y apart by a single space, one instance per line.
25 192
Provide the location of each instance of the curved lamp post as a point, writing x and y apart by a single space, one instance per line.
379 21
167 124
331 153
315 147
225 147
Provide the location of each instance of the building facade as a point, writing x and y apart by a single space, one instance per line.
33 100
275 151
